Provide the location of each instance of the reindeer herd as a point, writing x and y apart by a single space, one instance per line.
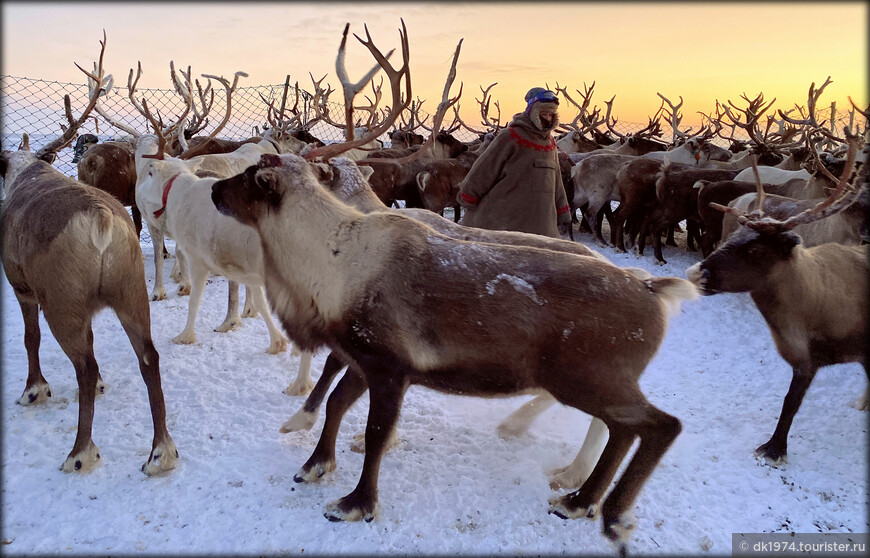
405 297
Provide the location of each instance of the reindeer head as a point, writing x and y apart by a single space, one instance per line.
752 252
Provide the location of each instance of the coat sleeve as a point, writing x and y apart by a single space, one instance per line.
563 209
485 172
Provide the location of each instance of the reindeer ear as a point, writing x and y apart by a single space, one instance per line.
48 156
323 172
366 171
266 179
792 239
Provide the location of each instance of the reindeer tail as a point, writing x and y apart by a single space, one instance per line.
102 223
672 291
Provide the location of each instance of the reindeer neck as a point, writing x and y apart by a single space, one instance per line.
313 247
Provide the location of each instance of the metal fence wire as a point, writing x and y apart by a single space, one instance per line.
36 107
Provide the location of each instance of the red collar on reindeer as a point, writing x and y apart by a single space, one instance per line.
166 188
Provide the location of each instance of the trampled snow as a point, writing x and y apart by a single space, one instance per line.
451 485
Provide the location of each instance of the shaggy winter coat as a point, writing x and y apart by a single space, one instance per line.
516 183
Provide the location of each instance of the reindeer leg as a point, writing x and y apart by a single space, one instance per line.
136 321
575 474
36 390
306 416
77 341
249 311
657 247
233 321
385 402
349 388
775 449
591 214
137 219
277 341
518 422
159 291
302 384
584 502
670 241
179 272
657 431
641 237
615 219
603 212
863 402
199 276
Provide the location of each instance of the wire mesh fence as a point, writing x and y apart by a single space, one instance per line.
35 106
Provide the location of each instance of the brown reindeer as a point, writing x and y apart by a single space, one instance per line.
402 302
814 300
505 293
70 250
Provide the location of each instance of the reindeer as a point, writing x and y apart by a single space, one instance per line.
814 300
52 222
364 334
505 293
170 192
359 194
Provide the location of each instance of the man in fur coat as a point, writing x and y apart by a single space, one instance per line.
516 183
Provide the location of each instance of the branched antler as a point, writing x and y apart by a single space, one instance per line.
69 133
350 90
843 195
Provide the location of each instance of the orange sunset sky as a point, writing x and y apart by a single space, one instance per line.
700 51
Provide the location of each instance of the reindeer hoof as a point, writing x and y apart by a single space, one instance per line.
300 421
344 509
359 442
772 455
313 473
183 290
83 462
35 395
564 507
863 402
508 430
299 388
277 347
563 477
619 529
229 325
99 390
184 338
161 460
158 294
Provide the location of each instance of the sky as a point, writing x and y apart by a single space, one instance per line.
702 52
452 486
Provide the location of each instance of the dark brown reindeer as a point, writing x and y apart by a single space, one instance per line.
52 222
814 300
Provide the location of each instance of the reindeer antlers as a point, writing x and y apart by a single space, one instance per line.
842 197
69 133
350 90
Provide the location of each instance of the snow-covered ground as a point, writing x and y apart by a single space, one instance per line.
451 486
